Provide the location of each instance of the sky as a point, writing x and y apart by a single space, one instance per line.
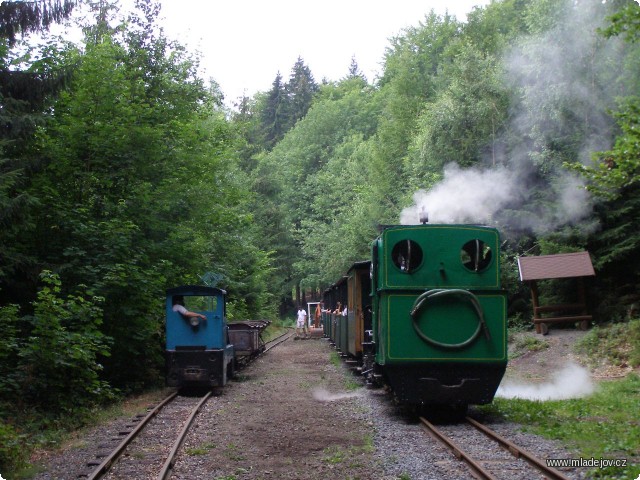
243 44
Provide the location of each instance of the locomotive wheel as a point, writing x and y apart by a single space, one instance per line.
424 298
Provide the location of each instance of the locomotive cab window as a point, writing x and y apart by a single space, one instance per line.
407 256
199 303
476 255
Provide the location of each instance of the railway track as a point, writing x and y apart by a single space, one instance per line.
490 460
148 446
278 340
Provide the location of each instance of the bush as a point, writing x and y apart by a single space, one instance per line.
58 369
12 451
9 348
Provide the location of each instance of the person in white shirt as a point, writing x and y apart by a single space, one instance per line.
301 323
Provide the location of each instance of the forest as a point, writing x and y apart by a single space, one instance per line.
123 173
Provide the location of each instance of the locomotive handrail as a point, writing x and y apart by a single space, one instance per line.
423 299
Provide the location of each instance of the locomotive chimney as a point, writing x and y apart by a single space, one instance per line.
424 218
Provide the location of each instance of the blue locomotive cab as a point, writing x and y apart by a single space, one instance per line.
198 353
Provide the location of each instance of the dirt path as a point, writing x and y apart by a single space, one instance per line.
290 415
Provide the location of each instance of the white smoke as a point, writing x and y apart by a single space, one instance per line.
323 395
573 381
558 97
463 196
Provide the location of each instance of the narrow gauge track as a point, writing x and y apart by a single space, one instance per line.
486 459
149 449
161 422
278 340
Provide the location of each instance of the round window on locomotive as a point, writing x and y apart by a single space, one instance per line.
475 255
407 256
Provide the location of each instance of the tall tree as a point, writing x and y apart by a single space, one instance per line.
25 94
300 89
140 186
354 70
273 113
24 17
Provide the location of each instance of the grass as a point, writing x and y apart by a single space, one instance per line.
202 450
335 454
531 344
334 358
234 453
619 343
40 433
350 382
604 425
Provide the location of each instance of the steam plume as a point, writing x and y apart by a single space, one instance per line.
573 381
463 196
558 98
322 395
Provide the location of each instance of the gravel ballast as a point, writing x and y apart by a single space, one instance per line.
293 414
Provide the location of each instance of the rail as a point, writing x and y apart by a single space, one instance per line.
478 469
171 459
278 340
106 464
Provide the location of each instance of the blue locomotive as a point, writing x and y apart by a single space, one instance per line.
198 352
202 348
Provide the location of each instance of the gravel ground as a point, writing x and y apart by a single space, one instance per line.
292 414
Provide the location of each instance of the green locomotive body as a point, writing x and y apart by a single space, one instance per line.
439 323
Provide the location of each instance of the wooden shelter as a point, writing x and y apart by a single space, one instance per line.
565 265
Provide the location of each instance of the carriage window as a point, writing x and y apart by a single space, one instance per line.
475 255
407 256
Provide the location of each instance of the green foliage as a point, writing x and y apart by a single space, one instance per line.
603 425
615 254
619 343
13 454
141 191
625 22
614 170
9 348
59 368
139 180
285 104
618 168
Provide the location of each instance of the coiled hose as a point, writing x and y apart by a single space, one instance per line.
425 297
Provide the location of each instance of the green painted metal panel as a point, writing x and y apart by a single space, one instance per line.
448 322
411 260
438 256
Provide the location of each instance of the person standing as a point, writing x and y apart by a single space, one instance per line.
316 320
301 323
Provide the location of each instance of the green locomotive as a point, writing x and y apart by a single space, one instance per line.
438 333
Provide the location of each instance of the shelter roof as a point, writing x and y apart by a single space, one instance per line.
563 265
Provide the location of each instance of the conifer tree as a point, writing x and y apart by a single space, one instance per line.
21 17
354 70
300 91
273 115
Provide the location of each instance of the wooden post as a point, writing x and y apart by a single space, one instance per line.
534 300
